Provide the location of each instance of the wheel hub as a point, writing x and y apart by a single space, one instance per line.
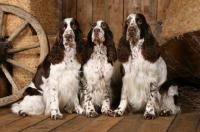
4 45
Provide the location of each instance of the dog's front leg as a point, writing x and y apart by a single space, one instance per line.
86 100
78 108
106 102
123 104
53 101
152 103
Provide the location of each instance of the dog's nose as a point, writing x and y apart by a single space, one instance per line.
68 37
96 31
131 31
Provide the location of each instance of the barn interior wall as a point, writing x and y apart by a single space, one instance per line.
114 12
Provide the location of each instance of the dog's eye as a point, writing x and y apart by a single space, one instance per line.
128 21
93 25
74 27
139 22
63 28
103 25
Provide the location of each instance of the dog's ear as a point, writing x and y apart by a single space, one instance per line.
81 49
109 43
150 47
123 50
56 54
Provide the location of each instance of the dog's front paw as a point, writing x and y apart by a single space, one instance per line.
55 115
165 113
117 113
107 112
92 114
22 113
148 116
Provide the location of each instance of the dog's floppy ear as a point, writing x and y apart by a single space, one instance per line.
123 50
109 43
56 54
150 47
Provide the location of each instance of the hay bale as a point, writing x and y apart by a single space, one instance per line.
182 16
44 11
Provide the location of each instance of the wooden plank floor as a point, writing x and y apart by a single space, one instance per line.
187 121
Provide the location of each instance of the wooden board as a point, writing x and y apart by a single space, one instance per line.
75 124
114 18
185 123
84 15
105 121
49 124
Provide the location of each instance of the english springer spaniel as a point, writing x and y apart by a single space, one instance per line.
145 85
56 83
98 70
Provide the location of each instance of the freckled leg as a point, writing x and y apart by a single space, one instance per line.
122 106
53 102
106 103
152 102
86 100
78 108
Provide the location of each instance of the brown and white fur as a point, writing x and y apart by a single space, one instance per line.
56 83
98 70
145 85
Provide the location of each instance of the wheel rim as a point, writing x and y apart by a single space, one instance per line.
43 44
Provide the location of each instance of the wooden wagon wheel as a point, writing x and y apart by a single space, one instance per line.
29 20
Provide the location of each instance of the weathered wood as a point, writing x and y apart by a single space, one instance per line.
131 6
4 110
18 31
162 9
185 123
160 124
44 46
34 23
115 13
75 124
99 10
69 8
105 121
8 118
12 98
84 15
10 79
15 63
1 22
22 124
20 49
49 124
129 123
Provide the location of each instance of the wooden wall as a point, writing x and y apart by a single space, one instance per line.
114 12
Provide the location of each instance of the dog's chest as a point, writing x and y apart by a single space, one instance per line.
68 67
135 59
98 59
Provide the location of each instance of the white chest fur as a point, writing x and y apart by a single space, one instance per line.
139 73
98 72
65 76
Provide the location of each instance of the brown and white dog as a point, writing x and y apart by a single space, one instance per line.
98 70
56 83
145 85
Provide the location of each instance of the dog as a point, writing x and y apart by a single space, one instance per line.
56 83
145 84
97 71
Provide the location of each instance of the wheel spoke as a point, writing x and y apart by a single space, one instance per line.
1 22
21 66
18 31
9 77
16 50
